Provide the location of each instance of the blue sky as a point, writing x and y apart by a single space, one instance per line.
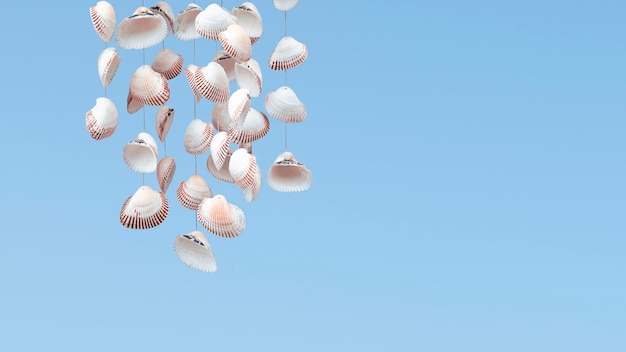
468 194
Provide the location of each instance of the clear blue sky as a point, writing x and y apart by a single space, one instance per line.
469 187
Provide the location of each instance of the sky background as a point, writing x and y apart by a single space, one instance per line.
468 193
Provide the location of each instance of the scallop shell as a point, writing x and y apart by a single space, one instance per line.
108 63
192 191
227 62
239 104
101 120
288 54
185 23
248 75
219 148
164 118
103 19
249 17
220 117
283 104
222 174
168 63
254 127
190 73
220 217
289 175
213 20
145 209
163 9
194 250
236 42
198 137
165 172
141 30
149 87
285 5
141 155
212 82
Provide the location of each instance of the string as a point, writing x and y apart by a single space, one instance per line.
286 82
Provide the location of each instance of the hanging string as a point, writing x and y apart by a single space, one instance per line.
285 82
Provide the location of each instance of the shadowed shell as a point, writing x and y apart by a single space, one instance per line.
220 117
166 168
192 191
248 75
239 104
219 148
288 54
164 10
193 249
164 118
141 154
168 63
288 175
145 209
254 127
222 174
141 30
227 62
190 73
101 120
185 23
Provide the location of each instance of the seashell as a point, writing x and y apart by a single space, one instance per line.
192 191
250 192
141 155
185 23
236 42
227 62
141 30
248 75
145 209
164 118
190 73
213 20
212 82
194 250
164 10
220 217
247 146
198 137
254 127
239 104
133 104
288 175
149 87
283 104
222 174
288 54
220 117
168 63
166 168
285 5
101 120
103 20
242 168
108 63
219 148
249 17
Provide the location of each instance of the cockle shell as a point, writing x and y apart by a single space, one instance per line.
194 250
251 191
220 117
192 191
101 120
285 5
133 104
164 118
220 217
163 9
141 154
288 175
249 17
219 148
168 63
108 63
236 42
239 104
166 168
222 174
198 136
288 54
145 209
243 168
213 20
190 73
248 75
141 30
283 104
103 19
254 127
227 62
212 82
149 87
185 23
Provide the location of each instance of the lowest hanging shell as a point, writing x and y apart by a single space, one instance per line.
194 250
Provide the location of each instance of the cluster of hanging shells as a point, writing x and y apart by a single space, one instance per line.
226 140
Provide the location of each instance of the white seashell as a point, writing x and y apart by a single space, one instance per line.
190 73
213 20
145 209
166 168
243 168
220 217
198 137
283 104
220 117
219 148
254 127
239 104
108 63
248 75
285 5
101 120
192 191
168 63
288 54
103 19
236 42
185 23
163 9
212 82
194 250
149 87
141 155
289 175
227 62
164 118
249 17
133 104
222 174
141 30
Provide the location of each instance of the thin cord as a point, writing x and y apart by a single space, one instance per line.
286 82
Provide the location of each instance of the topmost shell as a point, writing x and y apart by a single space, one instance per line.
285 5
103 19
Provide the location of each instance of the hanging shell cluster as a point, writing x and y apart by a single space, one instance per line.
230 80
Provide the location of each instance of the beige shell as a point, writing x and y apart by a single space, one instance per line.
164 118
193 249
192 191
163 9
283 104
254 127
141 30
285 5
220 217
219 148
168 63
227 62
198 136
141 154
220 117
236 42
166 168
103 19
133 104
212 82
190 73
101 120
222 174
149 87
248 75
145 209
213 20
249 17
239 104
108 63
289 175
185 23
288 54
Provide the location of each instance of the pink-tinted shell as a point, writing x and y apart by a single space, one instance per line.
164 118
108 63
141 30
141 154
185 23
194 250
103 19
145 209
149 87
220 217
243 168
288 54
212 82
133 104
227 62
168 63
192 191
220 117
219 148
239 104
190 73
198 136
213 20
163 9
288 175
251 191
165 172
285 5
101 120
236 42
248 75
283 104
249 17
254 127
222 174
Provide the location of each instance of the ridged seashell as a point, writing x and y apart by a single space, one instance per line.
288 54
101 120
222 174
190 73
164 118
243 167
285 5
212 82
193 249
141 155
236 42
283 104
149 87
141 30
248 75
145 209
168 63
185 23
166 168
103 19
249 17
220 117
108 63
192 191
220 217
250 192
163 9
133 104
239 104
254 127
227 62
213 20
289 175
198 137
219 148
